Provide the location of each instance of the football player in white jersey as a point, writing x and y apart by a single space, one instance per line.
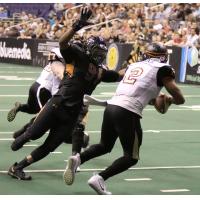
142 82
46 85
41 90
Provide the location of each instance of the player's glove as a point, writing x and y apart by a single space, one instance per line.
83 21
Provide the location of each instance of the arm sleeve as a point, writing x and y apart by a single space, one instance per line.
110 76
165 71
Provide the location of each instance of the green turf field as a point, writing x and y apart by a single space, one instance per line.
170 154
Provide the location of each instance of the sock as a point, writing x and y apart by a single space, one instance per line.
22 164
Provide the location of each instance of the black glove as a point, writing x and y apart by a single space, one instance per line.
85 15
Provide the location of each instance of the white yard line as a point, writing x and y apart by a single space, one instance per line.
6 139
137 179
30 145
57 152
14 85
175 190
6 132
100 169
13 95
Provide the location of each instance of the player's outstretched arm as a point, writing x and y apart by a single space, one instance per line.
88 100
80 23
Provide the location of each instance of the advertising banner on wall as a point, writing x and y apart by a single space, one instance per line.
185 60
42 50
25 51
17 51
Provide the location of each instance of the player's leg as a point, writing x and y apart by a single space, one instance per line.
23 129
51 143
130 141
108 138
44 96
30 107
79 137
44 120
125 123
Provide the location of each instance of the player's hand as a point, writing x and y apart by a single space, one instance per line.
85 14
83 20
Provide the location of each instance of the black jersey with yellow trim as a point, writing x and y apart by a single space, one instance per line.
81 76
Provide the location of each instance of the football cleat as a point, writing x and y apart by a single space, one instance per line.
97 183
12 113
69 173
18 173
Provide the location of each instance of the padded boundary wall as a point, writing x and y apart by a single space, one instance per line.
185 60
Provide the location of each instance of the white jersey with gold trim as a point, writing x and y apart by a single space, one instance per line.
138 86
57 52
52 74
46 78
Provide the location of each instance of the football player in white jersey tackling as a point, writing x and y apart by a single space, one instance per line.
142 82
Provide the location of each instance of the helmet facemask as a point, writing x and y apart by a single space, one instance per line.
97 50
98 54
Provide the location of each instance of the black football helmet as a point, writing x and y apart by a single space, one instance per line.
97 50
156 50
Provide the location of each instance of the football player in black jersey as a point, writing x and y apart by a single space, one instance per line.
82 74
42 90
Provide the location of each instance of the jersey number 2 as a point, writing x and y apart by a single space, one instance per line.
133 75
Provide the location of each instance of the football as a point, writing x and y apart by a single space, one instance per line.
162 103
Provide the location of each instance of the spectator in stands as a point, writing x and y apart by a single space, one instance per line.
3 12
155 21
193 36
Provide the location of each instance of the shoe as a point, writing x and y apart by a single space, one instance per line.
97 183
12 113
19 142
69 173
18 173
86 139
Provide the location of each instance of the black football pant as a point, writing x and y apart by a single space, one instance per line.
57 118
78 132
33 103
117 123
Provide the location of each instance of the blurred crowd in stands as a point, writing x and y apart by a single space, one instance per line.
171 24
